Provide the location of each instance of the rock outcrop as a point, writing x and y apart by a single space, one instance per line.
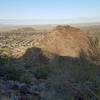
65 41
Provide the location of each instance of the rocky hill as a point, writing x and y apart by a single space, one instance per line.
65 41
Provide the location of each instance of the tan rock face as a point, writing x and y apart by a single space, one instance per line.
65 41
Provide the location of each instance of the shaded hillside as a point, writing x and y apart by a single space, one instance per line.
59 78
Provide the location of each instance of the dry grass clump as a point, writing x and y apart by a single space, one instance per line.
94 50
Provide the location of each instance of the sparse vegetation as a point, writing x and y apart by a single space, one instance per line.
94 50
41 72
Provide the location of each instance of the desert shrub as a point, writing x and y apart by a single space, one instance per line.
26 78
2 70
28 66
14 72
41 72
10 69
3 61
61 90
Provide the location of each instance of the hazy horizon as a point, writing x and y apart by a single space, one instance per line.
49 11
47 21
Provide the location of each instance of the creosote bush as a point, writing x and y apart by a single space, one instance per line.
41 72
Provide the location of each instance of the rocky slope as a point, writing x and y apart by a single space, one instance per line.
65 41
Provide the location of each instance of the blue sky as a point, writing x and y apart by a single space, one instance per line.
49 9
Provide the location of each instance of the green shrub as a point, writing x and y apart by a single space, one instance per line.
14 72
41 72
26 77
3 61
27 66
